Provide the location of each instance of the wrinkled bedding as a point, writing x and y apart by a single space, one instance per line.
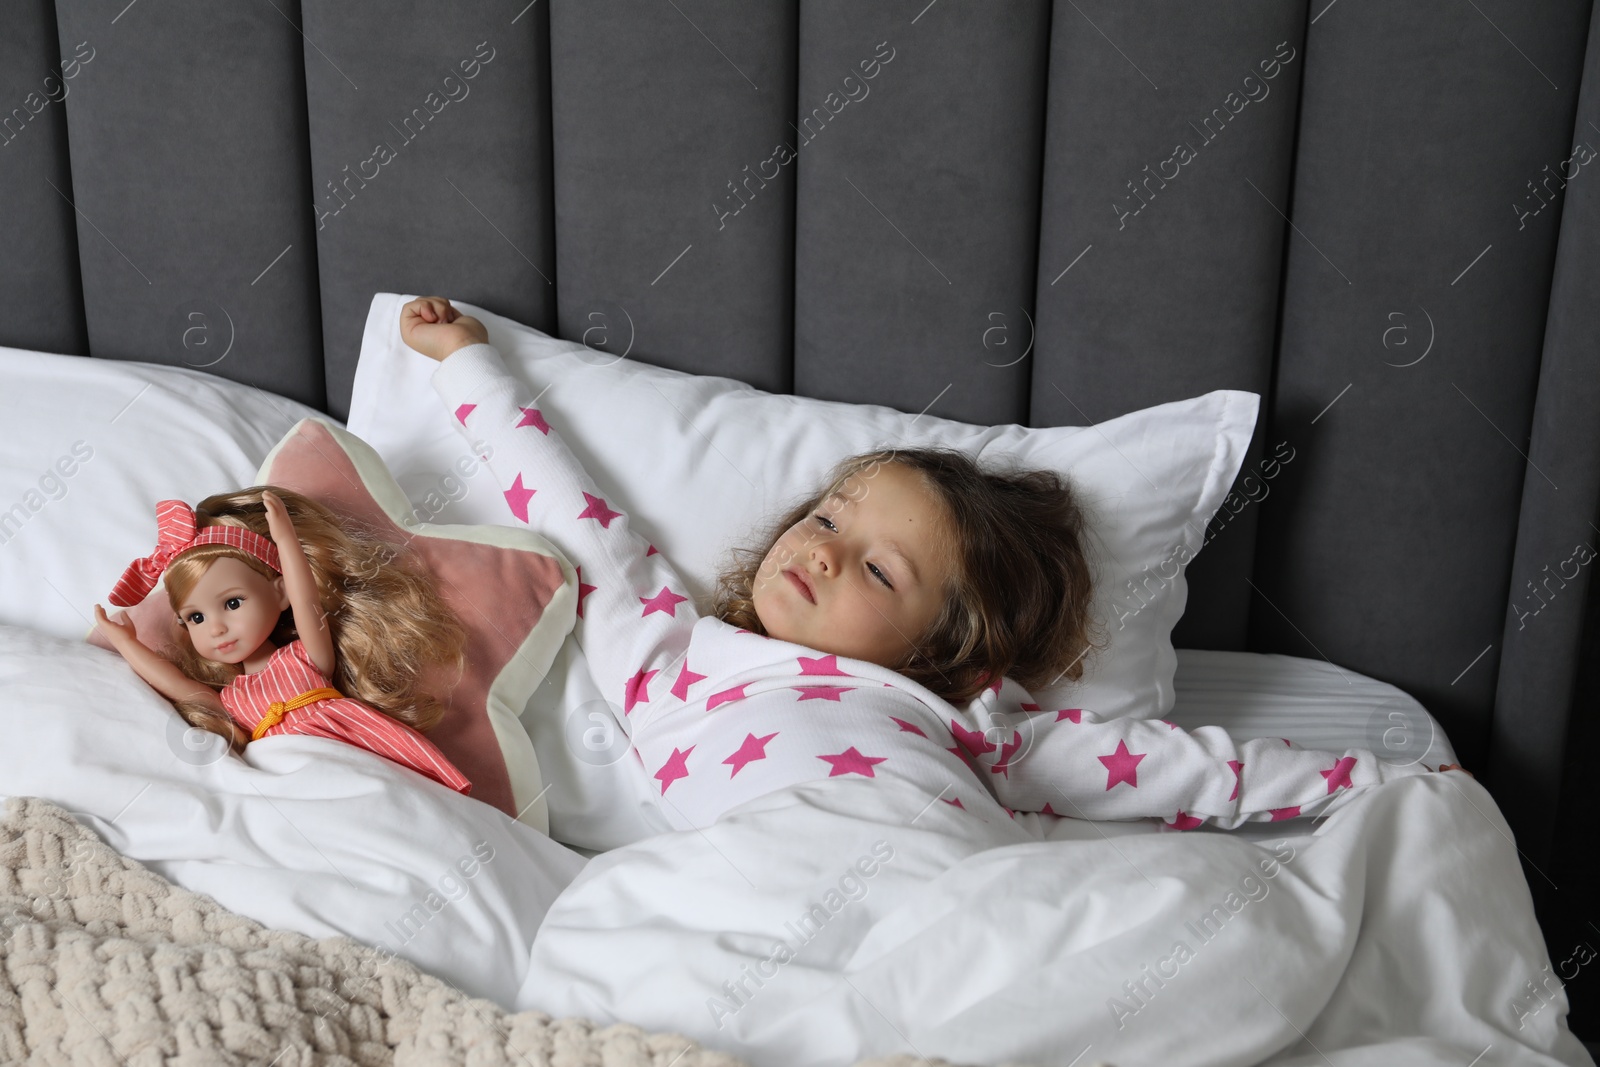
842 919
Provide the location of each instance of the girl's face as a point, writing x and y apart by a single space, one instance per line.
862 575
232 610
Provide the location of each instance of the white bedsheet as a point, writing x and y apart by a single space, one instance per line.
1310 701
303 833
1400 931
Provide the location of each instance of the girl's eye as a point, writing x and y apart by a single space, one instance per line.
826 522
233 602
876 573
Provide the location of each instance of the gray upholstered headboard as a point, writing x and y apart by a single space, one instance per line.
1381 217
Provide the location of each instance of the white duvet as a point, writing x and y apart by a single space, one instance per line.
844 919
841 919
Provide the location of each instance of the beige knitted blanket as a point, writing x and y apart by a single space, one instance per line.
103 962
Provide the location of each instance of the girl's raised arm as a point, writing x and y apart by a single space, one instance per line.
298 582
634 611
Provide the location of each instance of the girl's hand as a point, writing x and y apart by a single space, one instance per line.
431 326
1456 767
116 630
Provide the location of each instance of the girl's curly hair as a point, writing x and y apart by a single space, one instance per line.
387 618
1017 601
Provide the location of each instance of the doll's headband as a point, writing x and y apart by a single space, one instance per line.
176 532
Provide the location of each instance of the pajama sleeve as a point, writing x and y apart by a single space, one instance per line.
634 612
1075 763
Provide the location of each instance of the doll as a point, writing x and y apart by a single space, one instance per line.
290 623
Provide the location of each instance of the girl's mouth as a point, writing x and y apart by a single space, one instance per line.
801 584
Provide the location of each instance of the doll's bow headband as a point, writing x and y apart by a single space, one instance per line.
176 532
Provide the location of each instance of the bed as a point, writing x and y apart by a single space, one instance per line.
935 213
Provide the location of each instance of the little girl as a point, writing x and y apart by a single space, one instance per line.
913 582
230 586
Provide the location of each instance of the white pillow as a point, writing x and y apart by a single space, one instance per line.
90 445
698 462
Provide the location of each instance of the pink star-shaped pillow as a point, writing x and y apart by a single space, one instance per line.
513 592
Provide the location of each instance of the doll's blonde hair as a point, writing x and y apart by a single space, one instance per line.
387 618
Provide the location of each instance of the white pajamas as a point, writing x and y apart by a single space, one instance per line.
718 715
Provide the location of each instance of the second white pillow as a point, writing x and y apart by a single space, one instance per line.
700 463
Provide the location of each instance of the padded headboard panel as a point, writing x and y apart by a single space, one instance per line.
1375 215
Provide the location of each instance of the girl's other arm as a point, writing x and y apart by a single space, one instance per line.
1091 768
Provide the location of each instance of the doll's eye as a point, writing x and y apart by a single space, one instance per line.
195 618
233 602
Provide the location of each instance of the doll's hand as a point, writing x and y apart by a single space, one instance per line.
1456 767
117 631
278 520
431 326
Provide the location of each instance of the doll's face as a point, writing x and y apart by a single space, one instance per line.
232 610
862 575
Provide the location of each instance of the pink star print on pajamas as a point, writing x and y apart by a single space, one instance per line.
518 496
598 510
666 601
1007 750
971 740
1339 774
674 768
820 665
852 762
531 417
1122 766
822 692
754 748
686 678
583 590
638 691
726 696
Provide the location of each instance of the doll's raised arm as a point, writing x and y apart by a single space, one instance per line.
161 673
304 600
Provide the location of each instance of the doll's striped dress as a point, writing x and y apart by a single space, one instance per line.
289 673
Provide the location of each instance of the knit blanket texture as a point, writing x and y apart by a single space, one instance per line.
104 962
